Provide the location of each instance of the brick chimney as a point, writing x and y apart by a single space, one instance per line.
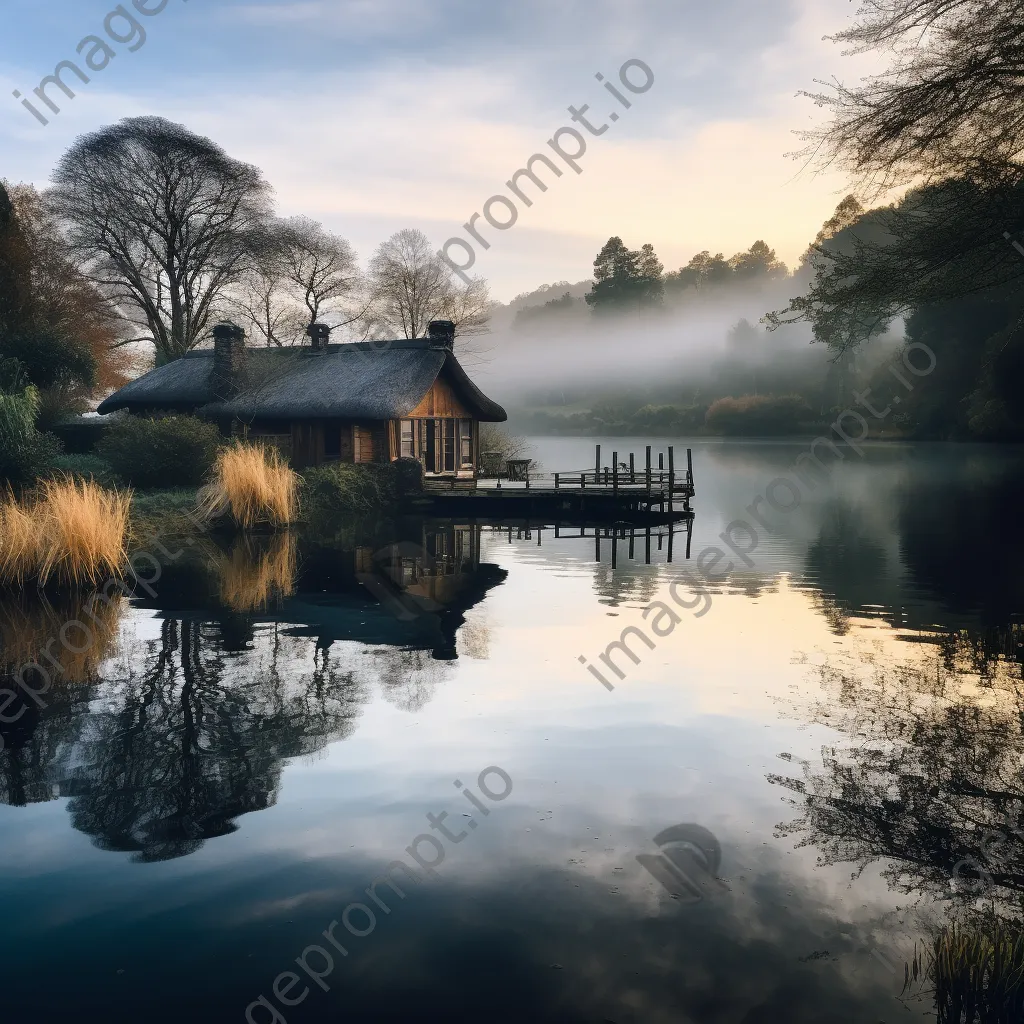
441 334
228 360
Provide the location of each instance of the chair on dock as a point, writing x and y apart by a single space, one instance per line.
518 470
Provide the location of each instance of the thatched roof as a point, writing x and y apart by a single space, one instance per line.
368 381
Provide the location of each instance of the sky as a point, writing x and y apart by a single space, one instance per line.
376 115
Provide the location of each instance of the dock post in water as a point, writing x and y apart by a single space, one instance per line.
671 479
632 469
597 467
615 472
648 478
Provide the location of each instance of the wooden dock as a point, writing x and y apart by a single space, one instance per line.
602 494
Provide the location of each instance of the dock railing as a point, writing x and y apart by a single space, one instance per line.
657 484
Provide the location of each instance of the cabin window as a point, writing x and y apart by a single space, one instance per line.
466 444
407 448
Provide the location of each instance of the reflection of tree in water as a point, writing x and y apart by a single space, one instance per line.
846 563
185 745
931 782
955 542
408 678
935 764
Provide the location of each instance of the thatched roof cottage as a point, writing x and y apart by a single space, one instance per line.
365 402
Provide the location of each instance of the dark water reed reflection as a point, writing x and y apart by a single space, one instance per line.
928 781
163 751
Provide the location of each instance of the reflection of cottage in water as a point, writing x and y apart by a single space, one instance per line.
268 649
410 588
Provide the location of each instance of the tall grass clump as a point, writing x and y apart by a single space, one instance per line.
69 530
21 541
253 485
84 530
976 972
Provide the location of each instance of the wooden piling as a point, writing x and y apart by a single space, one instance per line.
632 469
648 477
597 466
671 481
615 472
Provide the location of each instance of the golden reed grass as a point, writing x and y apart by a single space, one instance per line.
29 623
255 572
70 530
254 485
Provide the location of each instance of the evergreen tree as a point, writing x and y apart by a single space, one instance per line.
625 279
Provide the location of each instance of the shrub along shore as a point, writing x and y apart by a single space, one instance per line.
74 524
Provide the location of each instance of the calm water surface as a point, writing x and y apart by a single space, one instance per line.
756 824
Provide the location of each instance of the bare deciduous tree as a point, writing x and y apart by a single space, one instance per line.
300 274
410 286
951 103
162 220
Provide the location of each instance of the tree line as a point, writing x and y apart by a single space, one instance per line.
151 233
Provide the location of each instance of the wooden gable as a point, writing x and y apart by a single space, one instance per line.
440 401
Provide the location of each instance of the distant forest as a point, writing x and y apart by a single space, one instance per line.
795 366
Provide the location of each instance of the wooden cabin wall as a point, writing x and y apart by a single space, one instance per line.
440 401
307 444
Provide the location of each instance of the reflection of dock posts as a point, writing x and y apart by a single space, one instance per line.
689 536
648 478
615 549
632 538
671 485
647 547
597 544
671 536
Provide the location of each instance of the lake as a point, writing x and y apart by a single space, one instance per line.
365 776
